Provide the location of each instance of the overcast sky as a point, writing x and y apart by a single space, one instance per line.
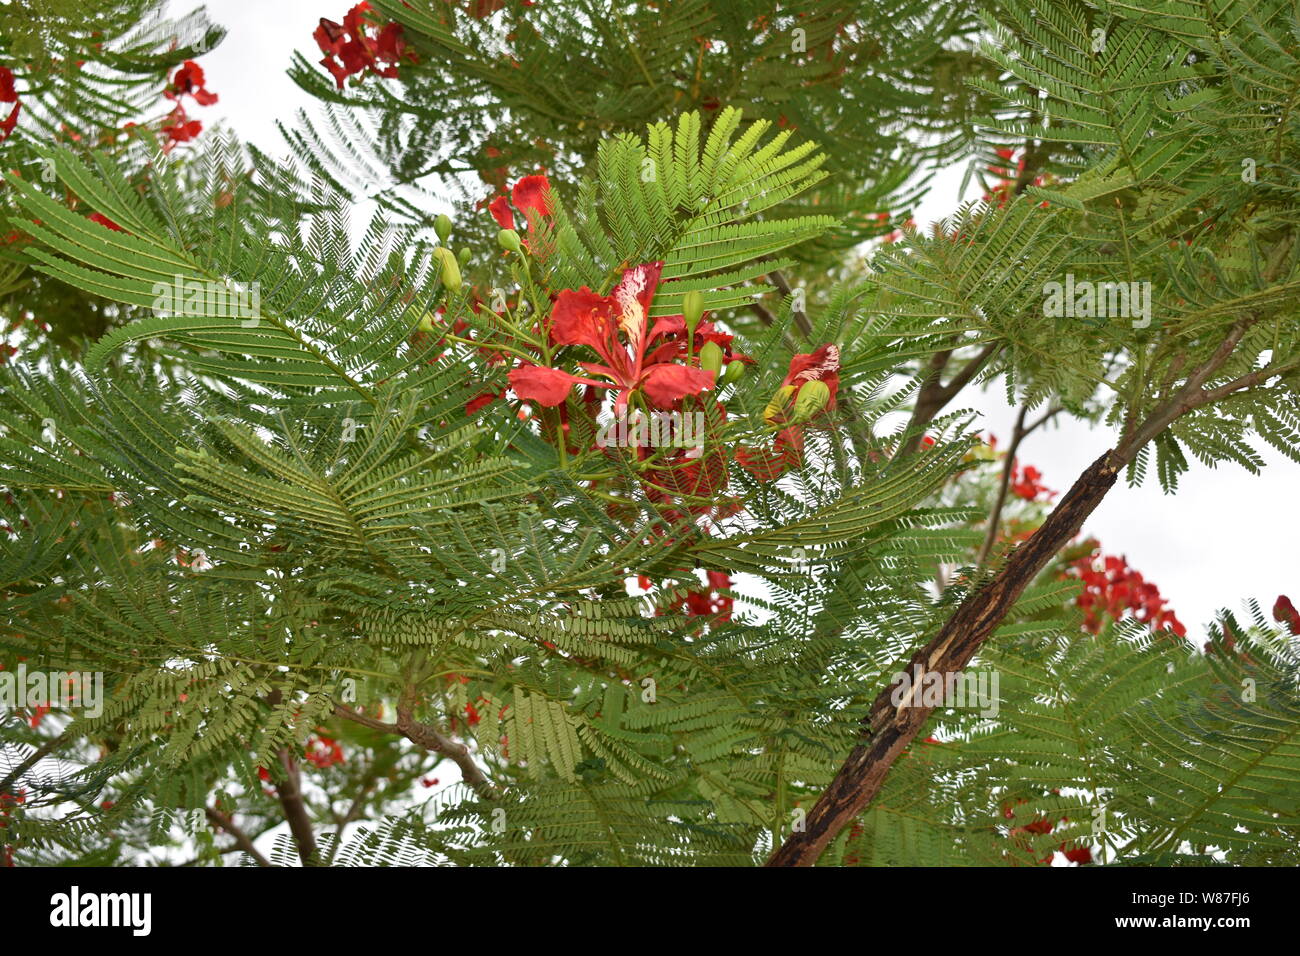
1226 535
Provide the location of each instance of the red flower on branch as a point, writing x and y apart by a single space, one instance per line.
350 49
636 356
189 81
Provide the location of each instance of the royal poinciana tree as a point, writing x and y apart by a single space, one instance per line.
584 504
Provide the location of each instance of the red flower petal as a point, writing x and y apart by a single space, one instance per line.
665 385
580 317
546 386
532 192
500 209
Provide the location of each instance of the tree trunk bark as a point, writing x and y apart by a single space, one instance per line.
889 728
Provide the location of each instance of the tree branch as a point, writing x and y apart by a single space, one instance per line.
430 739
295 810
934 395
1019 433
220 822
889 727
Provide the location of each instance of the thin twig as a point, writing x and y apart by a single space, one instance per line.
430 739
220 821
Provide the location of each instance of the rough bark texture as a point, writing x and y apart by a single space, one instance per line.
888 729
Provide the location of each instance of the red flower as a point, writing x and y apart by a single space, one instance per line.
532 192
189 81
1080 855
1284 611
9 122
1027 484
710 601
823 365
768 464
181 129
8 94
324 751
583 318
472 716
1116 589
349 48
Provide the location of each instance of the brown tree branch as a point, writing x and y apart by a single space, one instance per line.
32 759
295 810
220 822
1018 434
890 726
800 317
430 739
934 395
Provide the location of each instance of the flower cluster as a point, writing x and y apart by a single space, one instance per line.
188 81
589 352
1027 484
1111 589
324 751
350 49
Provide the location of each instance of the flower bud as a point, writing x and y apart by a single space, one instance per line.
462 256
442 226
426 323
508 240
693 308
450 268
812 398
777 406
711 358
735 371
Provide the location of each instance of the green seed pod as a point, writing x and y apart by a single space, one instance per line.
509 240
812 398
711 357
735 371
442 226
693 308
450 268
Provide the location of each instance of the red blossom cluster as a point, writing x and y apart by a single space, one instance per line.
8 94
188 81
324 751
1028 484
1112 588
350 49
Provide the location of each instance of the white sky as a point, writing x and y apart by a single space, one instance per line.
1224 537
